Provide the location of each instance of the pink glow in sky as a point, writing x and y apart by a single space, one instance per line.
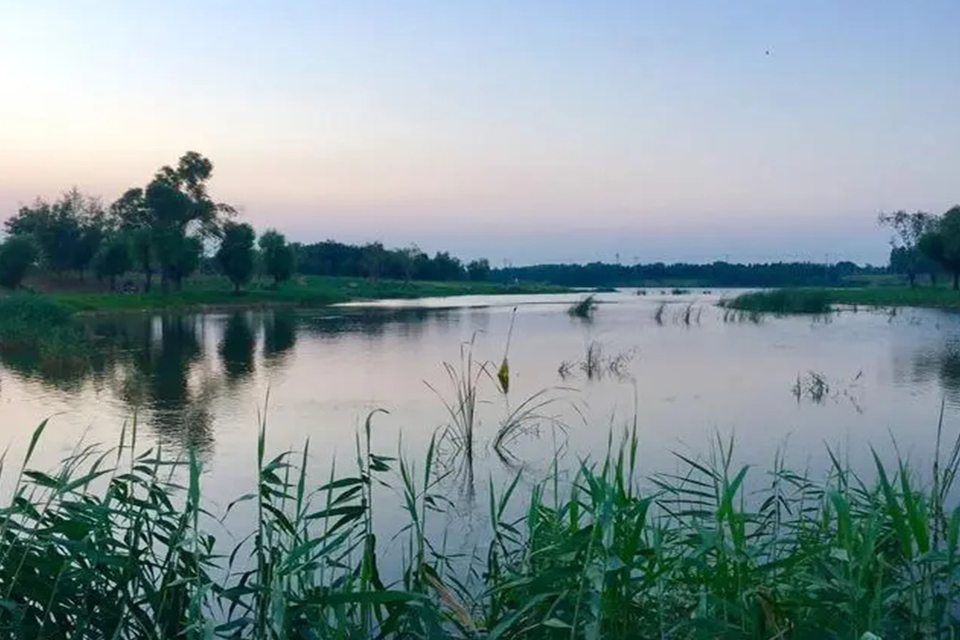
521 130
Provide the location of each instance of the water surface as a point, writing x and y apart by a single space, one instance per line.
201 381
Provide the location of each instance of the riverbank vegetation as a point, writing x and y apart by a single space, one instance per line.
816 301
305 291
781 301
174 231
120 543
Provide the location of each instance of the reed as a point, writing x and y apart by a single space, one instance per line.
117 543
584 308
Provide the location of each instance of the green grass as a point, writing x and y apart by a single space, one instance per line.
34 327
782 301
306 291
117 543
941 297
819 300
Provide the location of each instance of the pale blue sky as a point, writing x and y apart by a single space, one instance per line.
521 130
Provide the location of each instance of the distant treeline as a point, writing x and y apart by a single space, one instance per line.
716 274
331 258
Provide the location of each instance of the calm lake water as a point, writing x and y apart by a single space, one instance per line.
201 380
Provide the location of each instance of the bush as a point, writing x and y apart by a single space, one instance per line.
17 254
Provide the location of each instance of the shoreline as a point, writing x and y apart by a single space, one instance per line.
211 296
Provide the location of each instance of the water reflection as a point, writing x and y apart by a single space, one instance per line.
158 386
279 336
940 364
237 347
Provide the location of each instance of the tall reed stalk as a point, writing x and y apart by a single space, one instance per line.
117 543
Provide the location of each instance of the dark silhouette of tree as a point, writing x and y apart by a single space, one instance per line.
180 214
479 270
236 255
906 256
276 255
67 232
942 243
133 219
113 260
17 255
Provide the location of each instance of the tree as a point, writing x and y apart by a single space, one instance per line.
67 233
235 255
479 270
277 256
177 204
17 254
909 229
131 216
942 243
113 260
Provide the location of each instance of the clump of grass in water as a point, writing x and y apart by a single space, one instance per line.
595 365
109 546
462 408
658 314
781 301
584 308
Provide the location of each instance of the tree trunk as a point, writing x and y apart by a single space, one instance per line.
236 288
147 280
933 279
113 283
956 280
912 279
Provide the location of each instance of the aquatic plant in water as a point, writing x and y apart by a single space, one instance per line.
117 543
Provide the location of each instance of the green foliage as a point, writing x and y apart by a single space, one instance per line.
38 334
113 260
479 270
178 213
236 254
907 255
118 544
942 243
307 291
17 255
782 301
277 256
67 232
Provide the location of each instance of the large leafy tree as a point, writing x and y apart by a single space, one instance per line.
113 260
942 243
67 232
236 256
277 256
479 270
130 215
180 214
906 255
17 254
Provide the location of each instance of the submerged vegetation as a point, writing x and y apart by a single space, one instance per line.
119 544
584 308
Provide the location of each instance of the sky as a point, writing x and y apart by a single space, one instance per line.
518 130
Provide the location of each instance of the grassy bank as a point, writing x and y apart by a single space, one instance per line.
821 300
108 547
307 291
781 301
